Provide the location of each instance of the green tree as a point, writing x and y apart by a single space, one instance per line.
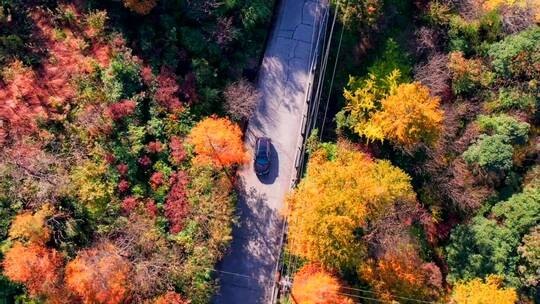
357 14
505 125
517 55
492 152
488 245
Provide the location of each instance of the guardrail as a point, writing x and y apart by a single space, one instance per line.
305 129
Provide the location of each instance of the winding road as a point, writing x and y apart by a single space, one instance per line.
248 271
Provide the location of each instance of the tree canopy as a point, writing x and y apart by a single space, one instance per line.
342 192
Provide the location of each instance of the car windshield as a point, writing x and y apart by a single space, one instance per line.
261 159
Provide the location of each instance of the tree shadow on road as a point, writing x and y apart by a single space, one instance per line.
254 250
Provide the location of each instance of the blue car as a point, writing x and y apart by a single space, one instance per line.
262 156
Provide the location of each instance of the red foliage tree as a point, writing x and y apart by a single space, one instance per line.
176 203
147 75
121 109
167 90
34 266
122 169
123 186
151 208
145 161
99 275
28 96
178 153
129 203
156 180
154 147
21 102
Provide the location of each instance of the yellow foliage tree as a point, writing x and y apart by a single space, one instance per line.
410 115
32 227
141 7
343 190
533 5
314 285
218 141
478 292
91 187
365 100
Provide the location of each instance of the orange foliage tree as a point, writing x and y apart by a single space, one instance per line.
34 266
170 297
478 292
342 192
99 275
218 141
141 7
314 285
410 115
402 273
32 227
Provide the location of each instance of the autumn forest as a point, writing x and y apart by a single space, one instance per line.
122 130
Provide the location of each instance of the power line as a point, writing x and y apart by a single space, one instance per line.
312 117
314 55
394 296
323 69
364 298
332 82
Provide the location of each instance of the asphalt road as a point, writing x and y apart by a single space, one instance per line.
248 270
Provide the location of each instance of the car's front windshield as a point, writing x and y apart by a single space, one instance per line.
261 160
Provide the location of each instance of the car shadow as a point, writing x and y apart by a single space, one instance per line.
273 173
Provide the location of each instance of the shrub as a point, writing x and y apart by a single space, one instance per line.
493 152
241 97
